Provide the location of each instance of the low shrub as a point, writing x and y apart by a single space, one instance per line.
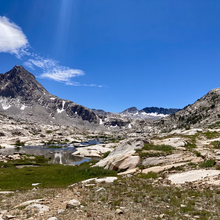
106 154
207 163
148 175
150 150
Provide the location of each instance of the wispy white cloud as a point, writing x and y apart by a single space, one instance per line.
12 38
14 41
40 62
62 74
52 70
91 85
73 84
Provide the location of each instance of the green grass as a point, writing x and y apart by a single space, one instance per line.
106 154
49 131
115 140
165 148
211 135
215 125
191 143
53 146
208 163
19 143
197 153
215 144
148 175
139 191
158 150
49 175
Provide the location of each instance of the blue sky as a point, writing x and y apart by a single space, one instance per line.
115 54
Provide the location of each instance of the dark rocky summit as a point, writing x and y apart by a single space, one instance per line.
22 95
164 111
18 82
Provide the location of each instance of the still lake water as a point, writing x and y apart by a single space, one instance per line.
57 155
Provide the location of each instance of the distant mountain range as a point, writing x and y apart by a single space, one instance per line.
150 113
23 97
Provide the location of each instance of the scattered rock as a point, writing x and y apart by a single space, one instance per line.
100 189
129 172
60 211
72 204
174 142
192 175
38 208
7 217
29 202
118 211
6 192
158 169
98 180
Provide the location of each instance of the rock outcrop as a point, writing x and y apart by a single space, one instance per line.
122 157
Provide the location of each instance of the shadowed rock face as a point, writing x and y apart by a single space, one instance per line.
165 111
19 82
18 88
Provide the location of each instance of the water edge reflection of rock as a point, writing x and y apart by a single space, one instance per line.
59 155
56 155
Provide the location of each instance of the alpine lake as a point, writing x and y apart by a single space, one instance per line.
57 153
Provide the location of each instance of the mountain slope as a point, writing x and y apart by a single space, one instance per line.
23 96
204 112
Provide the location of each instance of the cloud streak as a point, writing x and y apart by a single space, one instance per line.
12 39
52 70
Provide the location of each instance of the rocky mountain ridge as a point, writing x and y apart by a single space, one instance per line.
205 112
150 113
23 97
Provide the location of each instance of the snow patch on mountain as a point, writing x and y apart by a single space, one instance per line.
58 110
23 107
134 113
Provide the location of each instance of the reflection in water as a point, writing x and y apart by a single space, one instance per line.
65 158
57 155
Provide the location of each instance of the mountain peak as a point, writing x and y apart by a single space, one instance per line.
18 67
22 95
19 70
131 110
19 82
